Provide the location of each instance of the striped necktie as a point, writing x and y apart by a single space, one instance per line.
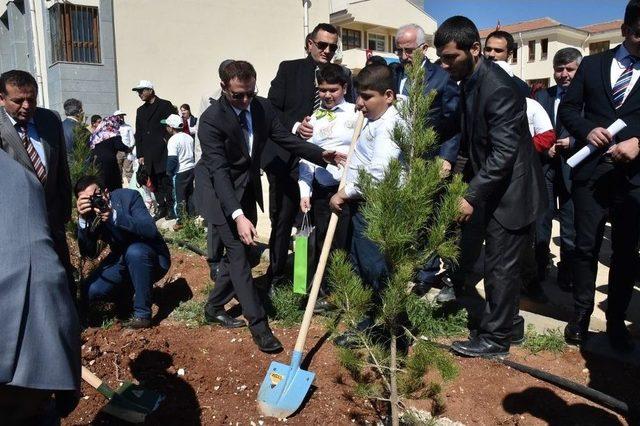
41 173
620 88
316 98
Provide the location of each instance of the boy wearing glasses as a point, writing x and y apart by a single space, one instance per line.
233 133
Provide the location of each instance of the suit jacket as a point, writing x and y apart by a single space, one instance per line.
547 98
523 87
291 93
57 187
132 224
40 345
68 124
590 91
443 107
231 167
503 171
150 134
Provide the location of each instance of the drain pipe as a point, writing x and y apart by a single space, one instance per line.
521 56
305 22
36 55
584 43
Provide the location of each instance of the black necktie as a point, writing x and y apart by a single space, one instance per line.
316 97
242 117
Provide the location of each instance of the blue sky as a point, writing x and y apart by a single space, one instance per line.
485 13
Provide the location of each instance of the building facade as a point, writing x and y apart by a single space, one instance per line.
538 41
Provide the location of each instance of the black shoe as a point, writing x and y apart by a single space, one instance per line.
214 269
533 291
322 306
577 330
159 214
138 323
222 318
619 337
446 294
421 288
479 347
517 332
171 216
266 341
348 340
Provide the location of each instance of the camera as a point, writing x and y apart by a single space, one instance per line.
98 202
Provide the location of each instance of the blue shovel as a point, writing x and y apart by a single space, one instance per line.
285 386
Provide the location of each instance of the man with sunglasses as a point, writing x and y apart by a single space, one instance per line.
233 133
294 95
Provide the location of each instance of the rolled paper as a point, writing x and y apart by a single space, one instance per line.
589 149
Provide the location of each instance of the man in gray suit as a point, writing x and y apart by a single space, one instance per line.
34 138
75 114
40 345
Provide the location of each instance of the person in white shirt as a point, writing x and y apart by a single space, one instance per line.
126 134
373 152
333 125
180 164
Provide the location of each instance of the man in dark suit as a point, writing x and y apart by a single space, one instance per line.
151 147
500 46
293 94
74 113
607 183
34 137
233 133
504 176
138 254
409 38
556 173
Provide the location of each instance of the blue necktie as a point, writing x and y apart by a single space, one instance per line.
620 88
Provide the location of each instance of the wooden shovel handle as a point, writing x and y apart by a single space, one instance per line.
91 378
326 248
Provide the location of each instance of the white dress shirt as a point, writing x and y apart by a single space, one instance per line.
330 135
248 133
374 150
619 64
34 136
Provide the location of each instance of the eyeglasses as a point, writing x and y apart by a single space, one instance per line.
322 45
407 50
242 96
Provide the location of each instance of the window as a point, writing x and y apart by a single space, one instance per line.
532 50
598 47
392 44
75 33
351 39
544 48
514 58
376 42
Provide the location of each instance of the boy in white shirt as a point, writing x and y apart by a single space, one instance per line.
333 125
180 164
373 152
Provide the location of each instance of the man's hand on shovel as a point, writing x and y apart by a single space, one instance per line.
337 201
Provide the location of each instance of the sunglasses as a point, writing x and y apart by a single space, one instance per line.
407 50
242 96
322 45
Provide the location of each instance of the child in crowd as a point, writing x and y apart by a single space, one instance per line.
180 164
373 152
333 125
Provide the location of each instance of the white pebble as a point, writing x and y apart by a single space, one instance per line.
181 372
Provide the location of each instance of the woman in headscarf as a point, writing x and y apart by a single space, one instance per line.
105 143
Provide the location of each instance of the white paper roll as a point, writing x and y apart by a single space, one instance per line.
589 149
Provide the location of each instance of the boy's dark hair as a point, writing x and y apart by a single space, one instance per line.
377 60
511 43
375 77
323 27
632 13
17 78
332 74
242 70
94 118
459 29
84 182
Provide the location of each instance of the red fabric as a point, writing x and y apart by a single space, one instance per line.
545 140
185 125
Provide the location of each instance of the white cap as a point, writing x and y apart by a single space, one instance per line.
119 112
144 84
173 120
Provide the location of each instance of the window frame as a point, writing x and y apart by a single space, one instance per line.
544 49
532 51
345 37
381 37
601 46
75 34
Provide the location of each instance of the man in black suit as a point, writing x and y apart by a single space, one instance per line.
74 113
233 133
34 137
151 147
500 46
293 94
556 173
505 181
607 183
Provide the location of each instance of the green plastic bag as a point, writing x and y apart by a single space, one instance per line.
301 256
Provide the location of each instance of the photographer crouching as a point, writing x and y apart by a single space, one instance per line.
139 255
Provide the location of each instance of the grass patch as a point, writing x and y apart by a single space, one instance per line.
551 340
191 313
107 323
192 232
434 321
286 306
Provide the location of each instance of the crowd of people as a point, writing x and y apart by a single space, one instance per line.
510 143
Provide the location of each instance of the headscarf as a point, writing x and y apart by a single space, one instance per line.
107 129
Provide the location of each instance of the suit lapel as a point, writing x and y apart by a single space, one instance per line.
606 73
236 130
11 142
44 139
259 126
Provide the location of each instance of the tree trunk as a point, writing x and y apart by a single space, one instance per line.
395 418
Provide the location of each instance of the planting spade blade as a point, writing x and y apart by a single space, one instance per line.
284 388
